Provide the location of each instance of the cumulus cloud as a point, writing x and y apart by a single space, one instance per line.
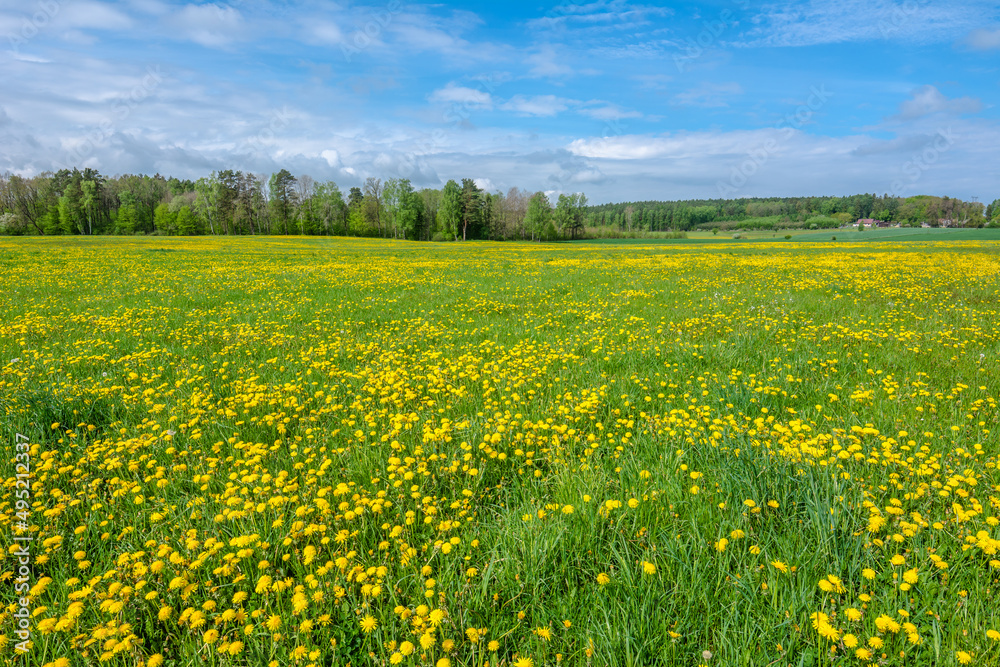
984 40
928 100
453 94
537 105
485 184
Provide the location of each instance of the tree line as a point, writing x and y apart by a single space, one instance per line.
234 202
789 212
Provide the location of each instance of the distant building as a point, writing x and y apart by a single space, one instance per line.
871 222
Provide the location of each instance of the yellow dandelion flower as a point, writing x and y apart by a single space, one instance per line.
368 623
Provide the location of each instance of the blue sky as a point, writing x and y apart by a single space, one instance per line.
619 100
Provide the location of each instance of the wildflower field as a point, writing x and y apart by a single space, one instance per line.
327 452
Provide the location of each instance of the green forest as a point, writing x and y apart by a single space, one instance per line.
236 203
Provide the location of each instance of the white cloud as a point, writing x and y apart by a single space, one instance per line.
28 58
452 94
537 105
424 32
792 23
546 63
212 26
331 156
91 15
485 184
708 95
928 100
609 111
596 19
326 32
984 40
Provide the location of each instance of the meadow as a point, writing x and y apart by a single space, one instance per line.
313 451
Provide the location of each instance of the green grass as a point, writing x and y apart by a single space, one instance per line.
816 235
620 403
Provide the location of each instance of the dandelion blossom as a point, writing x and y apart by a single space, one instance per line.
368 623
